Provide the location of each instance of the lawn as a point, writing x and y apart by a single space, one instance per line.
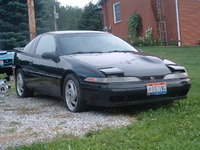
167 127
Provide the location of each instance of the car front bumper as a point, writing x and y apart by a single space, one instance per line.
6 69
130 93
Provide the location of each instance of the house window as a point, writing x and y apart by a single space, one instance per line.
117 12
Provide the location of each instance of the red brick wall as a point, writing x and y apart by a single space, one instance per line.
189 18
170 19
129 7
190 21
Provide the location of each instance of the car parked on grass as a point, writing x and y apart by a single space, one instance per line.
96 68
6 62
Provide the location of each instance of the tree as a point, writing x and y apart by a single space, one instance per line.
13 23
69 17
14 30
90 19
44 15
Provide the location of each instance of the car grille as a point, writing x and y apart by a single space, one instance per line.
136 97
152 77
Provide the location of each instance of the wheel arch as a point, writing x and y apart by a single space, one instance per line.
67 72
15 69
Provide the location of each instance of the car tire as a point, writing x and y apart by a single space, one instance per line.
72 94
21 89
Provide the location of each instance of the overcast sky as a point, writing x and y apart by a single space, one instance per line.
79 3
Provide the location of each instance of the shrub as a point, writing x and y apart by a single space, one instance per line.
135 26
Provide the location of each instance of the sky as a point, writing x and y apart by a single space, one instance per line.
79 3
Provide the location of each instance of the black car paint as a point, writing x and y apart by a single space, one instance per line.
132 64
47 75
117 94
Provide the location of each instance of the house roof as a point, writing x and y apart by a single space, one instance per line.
100 2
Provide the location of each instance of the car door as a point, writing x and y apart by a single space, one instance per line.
45 69
26 60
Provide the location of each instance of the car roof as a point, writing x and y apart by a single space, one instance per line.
75 31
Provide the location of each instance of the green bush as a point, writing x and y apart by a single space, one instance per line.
135 26
147 40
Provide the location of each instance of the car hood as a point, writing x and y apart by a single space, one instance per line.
6 55
129 63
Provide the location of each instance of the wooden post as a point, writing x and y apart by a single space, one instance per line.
31 16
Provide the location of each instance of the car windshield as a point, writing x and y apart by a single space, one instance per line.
93 43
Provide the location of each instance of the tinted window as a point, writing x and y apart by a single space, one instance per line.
28 47
46 44
91 42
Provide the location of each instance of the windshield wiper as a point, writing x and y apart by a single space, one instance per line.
77 53
94 52
87 52
124 51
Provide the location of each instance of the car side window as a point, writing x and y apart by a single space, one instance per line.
46 44
27 49
30 47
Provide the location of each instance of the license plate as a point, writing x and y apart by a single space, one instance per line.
1 63
156 88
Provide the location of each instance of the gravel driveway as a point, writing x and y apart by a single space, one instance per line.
40 118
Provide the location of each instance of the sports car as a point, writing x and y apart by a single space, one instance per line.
96 68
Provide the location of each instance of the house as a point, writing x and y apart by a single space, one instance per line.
173 21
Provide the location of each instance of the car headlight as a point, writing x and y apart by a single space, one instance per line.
112 79
176 76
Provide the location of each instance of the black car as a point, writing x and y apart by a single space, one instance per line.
96 68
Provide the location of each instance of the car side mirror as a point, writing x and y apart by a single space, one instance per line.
53 56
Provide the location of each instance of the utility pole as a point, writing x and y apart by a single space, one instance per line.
31 16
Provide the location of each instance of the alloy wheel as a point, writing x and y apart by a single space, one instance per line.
20 84
71 95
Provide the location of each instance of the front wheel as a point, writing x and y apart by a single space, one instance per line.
21 89
72 94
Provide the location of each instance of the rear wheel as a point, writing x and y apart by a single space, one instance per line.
72 94
21 89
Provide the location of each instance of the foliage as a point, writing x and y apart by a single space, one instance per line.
13 24
44 15
69 17
90 19
135 26
168 127
14 29
147 40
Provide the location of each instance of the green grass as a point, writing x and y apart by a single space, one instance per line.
2 76
171 127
